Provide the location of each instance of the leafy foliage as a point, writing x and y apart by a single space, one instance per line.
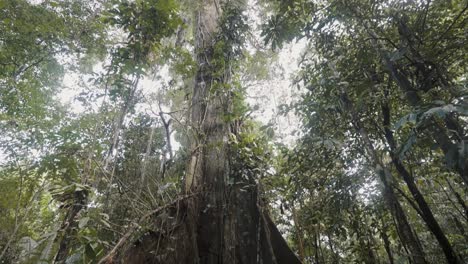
383 109
380 82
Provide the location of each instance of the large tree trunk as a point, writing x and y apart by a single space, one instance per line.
228 224
223 221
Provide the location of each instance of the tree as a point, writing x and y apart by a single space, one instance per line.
158 159
224 220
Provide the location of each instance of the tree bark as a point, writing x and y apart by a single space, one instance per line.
436 130
424 209
145 161
387 244
69 225
300 236
460 200
407 236
225 220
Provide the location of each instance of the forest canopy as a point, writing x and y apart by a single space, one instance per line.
176 131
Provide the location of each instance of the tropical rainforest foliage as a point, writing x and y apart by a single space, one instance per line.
157 158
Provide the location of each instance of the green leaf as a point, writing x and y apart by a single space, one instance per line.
83 222
406 120
440 111
397 55
407 146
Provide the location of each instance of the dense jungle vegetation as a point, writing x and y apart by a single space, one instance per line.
130 131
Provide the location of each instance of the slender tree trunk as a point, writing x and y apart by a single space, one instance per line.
372 256
119 122
424 209
363 248
69 224
320 244
145 161
371 244
436 130
387 244
168 132
316 247
335 256
460 228
408 237
168 148
427 215
300 236
460 200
